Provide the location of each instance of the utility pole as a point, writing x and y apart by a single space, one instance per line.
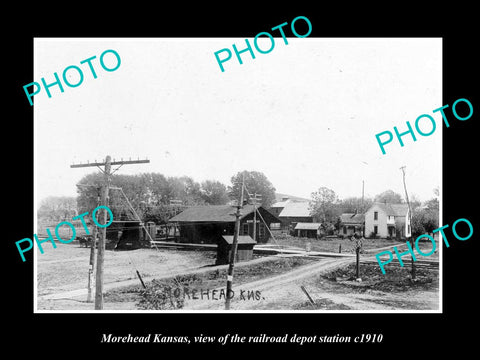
363 206
93 247
363 193
91 268
107 164
409 220
233 252
256 197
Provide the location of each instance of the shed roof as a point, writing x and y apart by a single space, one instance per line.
296 209
242 239
211 213
352 218
308 226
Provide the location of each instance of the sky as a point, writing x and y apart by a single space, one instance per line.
305 114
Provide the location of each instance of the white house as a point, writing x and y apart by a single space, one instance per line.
387 220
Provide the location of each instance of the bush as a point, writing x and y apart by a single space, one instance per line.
372 235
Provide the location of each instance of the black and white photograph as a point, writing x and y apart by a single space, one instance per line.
236 180
262 187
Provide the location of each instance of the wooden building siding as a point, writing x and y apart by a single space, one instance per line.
210 230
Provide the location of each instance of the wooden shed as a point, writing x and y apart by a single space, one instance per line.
125 235
244 249
310 230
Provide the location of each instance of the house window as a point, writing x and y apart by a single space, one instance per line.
261 230
375 229
344 229
375 215
245 229
275 226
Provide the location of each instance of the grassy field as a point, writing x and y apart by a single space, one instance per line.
65 268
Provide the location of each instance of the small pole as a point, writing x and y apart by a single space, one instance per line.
410 221
93 256
91 269
255 217
340 248
357 274
308 295
141 280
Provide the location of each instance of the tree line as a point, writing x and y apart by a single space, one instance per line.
155 197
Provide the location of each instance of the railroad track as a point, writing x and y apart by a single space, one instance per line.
424 264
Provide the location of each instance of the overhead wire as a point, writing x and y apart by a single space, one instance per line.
152 241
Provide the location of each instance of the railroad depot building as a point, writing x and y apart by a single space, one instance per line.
207 224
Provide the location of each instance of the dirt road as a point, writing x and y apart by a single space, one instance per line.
265 293
283 292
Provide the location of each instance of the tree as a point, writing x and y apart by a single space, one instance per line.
354 204
133 186
324 206
187 190
57 208
432 205
426 218
255 182
214 192
414 202
87 190
157 187
390 197
424 221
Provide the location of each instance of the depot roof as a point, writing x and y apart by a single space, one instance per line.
211 213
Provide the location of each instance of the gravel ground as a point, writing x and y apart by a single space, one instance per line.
66 267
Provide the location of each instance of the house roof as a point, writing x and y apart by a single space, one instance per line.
296 209
211 213
308 226
280 204
351 218
242 239
393 209
279 197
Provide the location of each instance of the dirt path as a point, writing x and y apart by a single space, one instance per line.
283 292
266 291
76 296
